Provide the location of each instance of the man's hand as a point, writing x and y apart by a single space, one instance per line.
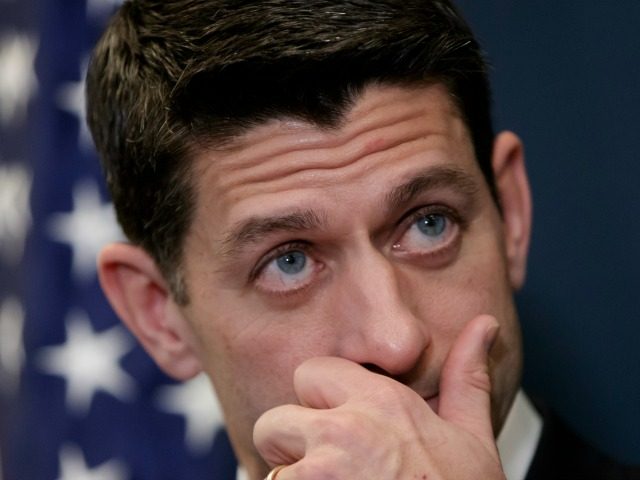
354 424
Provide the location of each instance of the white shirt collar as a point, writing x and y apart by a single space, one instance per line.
518 441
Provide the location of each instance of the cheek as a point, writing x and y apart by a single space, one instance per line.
251 356
448 299
251 371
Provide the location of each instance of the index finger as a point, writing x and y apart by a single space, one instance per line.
328 382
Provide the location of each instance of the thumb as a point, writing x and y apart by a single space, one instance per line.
465 385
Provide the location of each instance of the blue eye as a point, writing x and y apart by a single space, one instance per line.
288 271
432 225
428 232
292 262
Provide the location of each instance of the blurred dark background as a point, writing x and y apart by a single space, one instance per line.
566 78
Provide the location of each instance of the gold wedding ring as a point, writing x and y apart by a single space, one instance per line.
274 473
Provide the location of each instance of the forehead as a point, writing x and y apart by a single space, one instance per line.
390 133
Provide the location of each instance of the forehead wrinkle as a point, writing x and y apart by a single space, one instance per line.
288 139
255 228
346 156
430 179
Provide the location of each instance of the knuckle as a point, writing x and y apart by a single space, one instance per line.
264 425
479 379
475 376
386 389
339 428
392 396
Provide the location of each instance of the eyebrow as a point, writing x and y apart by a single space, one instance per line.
431 179
253 229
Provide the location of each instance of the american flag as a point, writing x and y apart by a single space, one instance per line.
79 399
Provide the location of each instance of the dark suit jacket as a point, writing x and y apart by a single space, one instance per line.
562 455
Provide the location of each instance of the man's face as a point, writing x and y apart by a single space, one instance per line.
375 242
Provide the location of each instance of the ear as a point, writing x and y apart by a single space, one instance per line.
141 297
515 199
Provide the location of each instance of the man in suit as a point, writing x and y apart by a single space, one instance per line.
321 219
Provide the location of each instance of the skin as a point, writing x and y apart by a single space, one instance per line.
394 348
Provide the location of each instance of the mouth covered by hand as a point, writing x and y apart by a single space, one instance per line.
354 424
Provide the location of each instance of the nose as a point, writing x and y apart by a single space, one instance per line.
379 319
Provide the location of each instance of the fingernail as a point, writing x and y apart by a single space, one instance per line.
491 335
